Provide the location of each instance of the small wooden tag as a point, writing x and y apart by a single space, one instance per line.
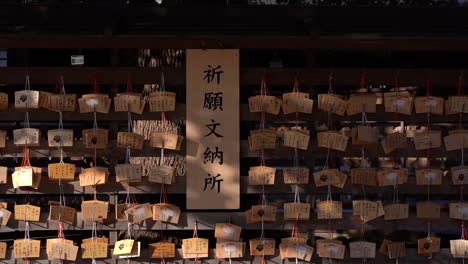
428 245
93 176
329 210
264 103
362 249
396 250
129 102
230 249
130 140
298 250
166 213
94 210
429 176
296 175
27 137
367 210
3 250
95 138
296 138
429 104
262 139
94 102
427 210
123 247
63 171
165 140
5 216
459 175
26 248
390 177
296 211
27 99
358 103
128 173
396 211
458 211
62 102
60 138
459 248
138 213
331 250
3 101
162 250
3 175
3 136
394 141
262 175
162 101
255 214
63 214
364 135
332 140
398 102
297 103
162 174
27 212
364 176
262 247
97 249
62 249
332 103
194 248
227 231
427 140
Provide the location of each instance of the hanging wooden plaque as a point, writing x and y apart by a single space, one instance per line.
364 176
398 102
60 138
326 177
296 211
63 249
95 138
165 212
94 210
27 99
458 211
390 177
296 175
166 140
301 251
456 105
93 176
456 141
332 140
62 102
62 171
427 140
162 174
162 250
364 135
331 250
262 246
44 99
26 248
120 211
123 247
162 101
296 102
227 231
396 250
296 138
262 175
329 210
26 177
396 211
264 103
230 249
3 250
26 212
362 249
27 137
367 210
62 214
332 103
5 216
394 141
3 175
429 176
129 102
3 136
459 175
128 172
262 139
459 248
428 245
130 140
139 213
195 248
97 249
257 212
428 210
94 102
358 103
429 104
3 101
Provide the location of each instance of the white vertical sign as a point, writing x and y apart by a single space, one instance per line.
213 180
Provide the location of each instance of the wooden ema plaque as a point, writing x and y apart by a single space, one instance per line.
459 248
165 140
398 102
128 172
3 175
129 102
259 212
3 250
229 249
3 136
3 101
262 247
26 248
326 177
94 247
332 140
61 249
264 103
44 99
296 211
27 137
60 138
297 102
364 176
396 250
456 140
27 212
329 210
195 248
162 174
358 103
332 103
330 249
27 99
458 211
94 102
138 213
95 138
162 101
427 140
429 176
391 177
262 139
262 175
93 176
456 105
298 250
94 210
459 175
429 104
62 102
130 140
428 245
26 176
227 231
362 250
167 213
61 171
364 135
296 175
428 210
393 142
62 214
5 216
396 211
120 211
296 138
368 210
125 247
162 250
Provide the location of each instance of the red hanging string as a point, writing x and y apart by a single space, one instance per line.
195 229
264 260
95 89
25 162
60 230
461 84
164 194
296 88
264 87
428 87
363 81
129 83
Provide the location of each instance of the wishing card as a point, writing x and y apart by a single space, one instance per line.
364 176
427 140
93 176
62 102
27 212
60 137
138 213
393 142
259 212
27 99
329 210
167 213
428 245
296 138
326 177
62 171
456 140
367 210
27 137
296 250
456 104
391 177
227 231
358 103
62 214
162 250
26 248
94 210
459 248
3 250
264 103
332 140
296 211
128 172
94 248
262 175
297 102
429 176
458 211
3 101
162 174
99 103
429 104
296 175
129 102
398 102
331 250
427 210
262 139
130 140
165 140
396 250
332 103
162 101
229 249
396 211
262 247
95 138
195 248
362 249
364 135
459 175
